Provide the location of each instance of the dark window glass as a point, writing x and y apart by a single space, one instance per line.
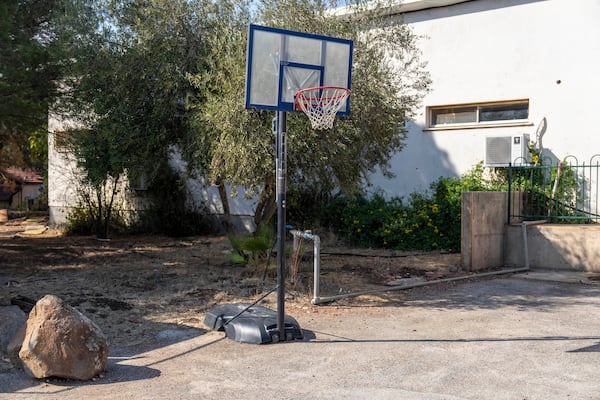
504 112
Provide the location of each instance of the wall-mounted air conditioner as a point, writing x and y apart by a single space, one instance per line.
502 150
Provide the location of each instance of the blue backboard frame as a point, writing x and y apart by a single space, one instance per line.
280 62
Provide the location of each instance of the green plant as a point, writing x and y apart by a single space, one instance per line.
252 250
167 211
423 221
82 221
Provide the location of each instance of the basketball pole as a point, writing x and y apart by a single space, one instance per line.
280 165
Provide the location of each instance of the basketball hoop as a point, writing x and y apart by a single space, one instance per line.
321 104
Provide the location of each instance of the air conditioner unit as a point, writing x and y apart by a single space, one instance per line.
502 150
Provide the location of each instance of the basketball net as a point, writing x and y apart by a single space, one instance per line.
321 104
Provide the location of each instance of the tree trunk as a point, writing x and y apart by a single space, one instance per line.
99 213
266 207
227 219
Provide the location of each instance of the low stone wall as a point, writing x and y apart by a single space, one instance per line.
572 247
489 242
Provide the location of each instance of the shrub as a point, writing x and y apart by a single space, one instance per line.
80 221
423 221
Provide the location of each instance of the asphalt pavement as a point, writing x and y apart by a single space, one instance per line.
527 336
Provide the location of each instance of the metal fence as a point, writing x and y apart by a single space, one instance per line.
563 192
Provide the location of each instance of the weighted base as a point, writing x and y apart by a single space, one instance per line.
257 325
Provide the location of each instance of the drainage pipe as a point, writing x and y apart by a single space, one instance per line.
524 226
317 258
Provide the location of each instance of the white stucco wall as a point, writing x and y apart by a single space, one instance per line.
64 179
62 175
204 196
492 50
477 51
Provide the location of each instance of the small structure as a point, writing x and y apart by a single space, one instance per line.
20 188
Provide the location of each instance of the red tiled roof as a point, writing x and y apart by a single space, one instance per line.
23 175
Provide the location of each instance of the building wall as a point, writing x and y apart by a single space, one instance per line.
64 181
62 174
491 50
27 196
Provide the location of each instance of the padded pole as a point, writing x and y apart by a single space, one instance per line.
280 197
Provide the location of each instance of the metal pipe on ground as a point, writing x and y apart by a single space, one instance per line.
321 300
316 300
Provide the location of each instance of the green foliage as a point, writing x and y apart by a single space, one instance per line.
82 221
252 250
236 145
167 212
424 221
432 220
550 194
27 78
127 93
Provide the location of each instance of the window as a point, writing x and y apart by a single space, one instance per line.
481 114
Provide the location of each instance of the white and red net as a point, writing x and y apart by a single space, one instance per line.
321 104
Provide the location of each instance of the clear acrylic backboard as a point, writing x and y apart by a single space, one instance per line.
281 62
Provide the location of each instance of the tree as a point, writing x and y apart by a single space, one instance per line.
128 93
25 75
235 145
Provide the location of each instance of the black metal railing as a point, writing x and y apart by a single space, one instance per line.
560 192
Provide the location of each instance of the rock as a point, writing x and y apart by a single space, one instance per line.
62 342
12 319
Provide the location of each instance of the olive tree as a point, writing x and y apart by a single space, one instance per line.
128 92
235 145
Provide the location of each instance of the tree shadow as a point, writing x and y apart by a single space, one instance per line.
493 293
330 338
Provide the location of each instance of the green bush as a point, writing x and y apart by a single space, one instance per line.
167 212
424 221
81 222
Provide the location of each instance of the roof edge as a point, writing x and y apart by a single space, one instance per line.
402 6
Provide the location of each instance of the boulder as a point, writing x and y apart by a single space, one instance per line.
12 320
62 342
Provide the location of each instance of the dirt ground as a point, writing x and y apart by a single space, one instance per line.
135 287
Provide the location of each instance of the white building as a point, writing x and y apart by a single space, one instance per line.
498 68
540 58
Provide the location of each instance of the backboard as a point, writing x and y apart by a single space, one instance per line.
281 62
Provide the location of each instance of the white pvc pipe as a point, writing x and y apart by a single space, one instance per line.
524 226
317 267
316 256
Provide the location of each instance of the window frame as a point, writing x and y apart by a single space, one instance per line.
477 109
